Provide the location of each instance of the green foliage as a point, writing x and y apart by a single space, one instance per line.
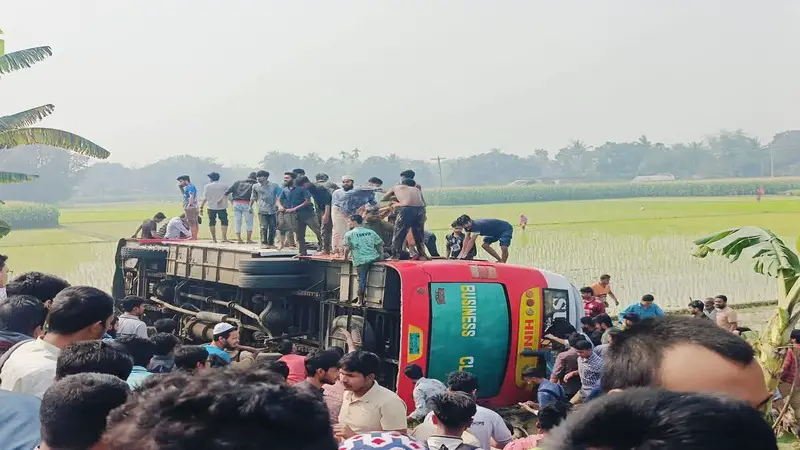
599 191
23 59
27 216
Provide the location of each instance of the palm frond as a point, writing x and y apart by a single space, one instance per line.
25 118
5 228
53 138
770 255
16 177
23 59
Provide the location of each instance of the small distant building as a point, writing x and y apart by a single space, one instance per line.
655 177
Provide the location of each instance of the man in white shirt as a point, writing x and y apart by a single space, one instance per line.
129 322
486 425
215 195
367 406
176 228
78 313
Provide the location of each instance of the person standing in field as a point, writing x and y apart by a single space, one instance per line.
602 290
266 194
726 316
242 192
760 192
492 230
789 376
190 204
523 221
215 195
149 228
645 309
366 248
410 211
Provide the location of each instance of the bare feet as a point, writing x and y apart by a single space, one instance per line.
251 242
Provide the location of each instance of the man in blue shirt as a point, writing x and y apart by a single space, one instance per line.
645 309
19 417
295 199
190 203
547 392
492 230
226 337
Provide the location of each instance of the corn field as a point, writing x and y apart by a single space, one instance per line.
29 216
601 191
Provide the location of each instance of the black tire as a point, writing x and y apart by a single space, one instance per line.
277 320
272 266
147 253
360 330
273 281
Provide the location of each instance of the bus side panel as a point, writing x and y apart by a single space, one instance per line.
415 322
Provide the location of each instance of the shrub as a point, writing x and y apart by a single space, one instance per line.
598 191
22 216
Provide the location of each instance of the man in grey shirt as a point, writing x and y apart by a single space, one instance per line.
266 193
215 195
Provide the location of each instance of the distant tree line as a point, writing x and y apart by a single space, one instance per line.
728 154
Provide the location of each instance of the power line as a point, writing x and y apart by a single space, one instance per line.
439 160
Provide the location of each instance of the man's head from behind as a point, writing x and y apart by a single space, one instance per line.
43 286
224 408
132 305
191 358
552 415
453 412
408 173
82 312
413 372
22 314
160 216
683 354
164 343
74 410
358 370
140 349
165 325
375 182
659 419
213 176
94 357
466 382
355 220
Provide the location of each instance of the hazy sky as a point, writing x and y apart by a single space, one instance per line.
235 79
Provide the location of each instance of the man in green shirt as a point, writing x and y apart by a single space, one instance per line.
366 247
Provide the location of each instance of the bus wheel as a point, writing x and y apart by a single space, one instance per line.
361 331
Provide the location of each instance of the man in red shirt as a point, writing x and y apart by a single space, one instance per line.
296 363
789 375
592 307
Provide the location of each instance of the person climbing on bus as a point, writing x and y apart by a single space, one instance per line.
366 247
492 230
410 211
149 228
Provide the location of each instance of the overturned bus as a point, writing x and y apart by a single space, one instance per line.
443 315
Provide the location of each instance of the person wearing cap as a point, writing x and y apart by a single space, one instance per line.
324 180
149 228
215 195
226 337
340 220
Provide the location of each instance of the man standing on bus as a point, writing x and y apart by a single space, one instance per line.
492 230
410 209
190 209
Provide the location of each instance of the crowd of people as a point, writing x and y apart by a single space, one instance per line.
81 371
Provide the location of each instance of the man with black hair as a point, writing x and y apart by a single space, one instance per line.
43 286
424 390
452 415
79 313
94 356
592 306
141 350
21 319
410 210
322 201
277 367
697 310
628 319
241 192
664 420
366 248
367 406
645 309
566 362
266 194
322 368
547 392
74 410
215 195
230 408
149 228
590 368
486 425
789 376
605 324
190 210
726 316
295 200
190 358
548 418
590 330
670 352
129 321
226 337
295 362
492 230
165 325
163 360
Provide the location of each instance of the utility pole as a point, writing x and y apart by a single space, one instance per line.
439 160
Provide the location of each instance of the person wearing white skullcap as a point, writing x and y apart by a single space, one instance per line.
226 337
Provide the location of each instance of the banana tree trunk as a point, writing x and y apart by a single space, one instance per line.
779 327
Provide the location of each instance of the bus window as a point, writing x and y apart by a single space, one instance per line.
556 305
470 331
